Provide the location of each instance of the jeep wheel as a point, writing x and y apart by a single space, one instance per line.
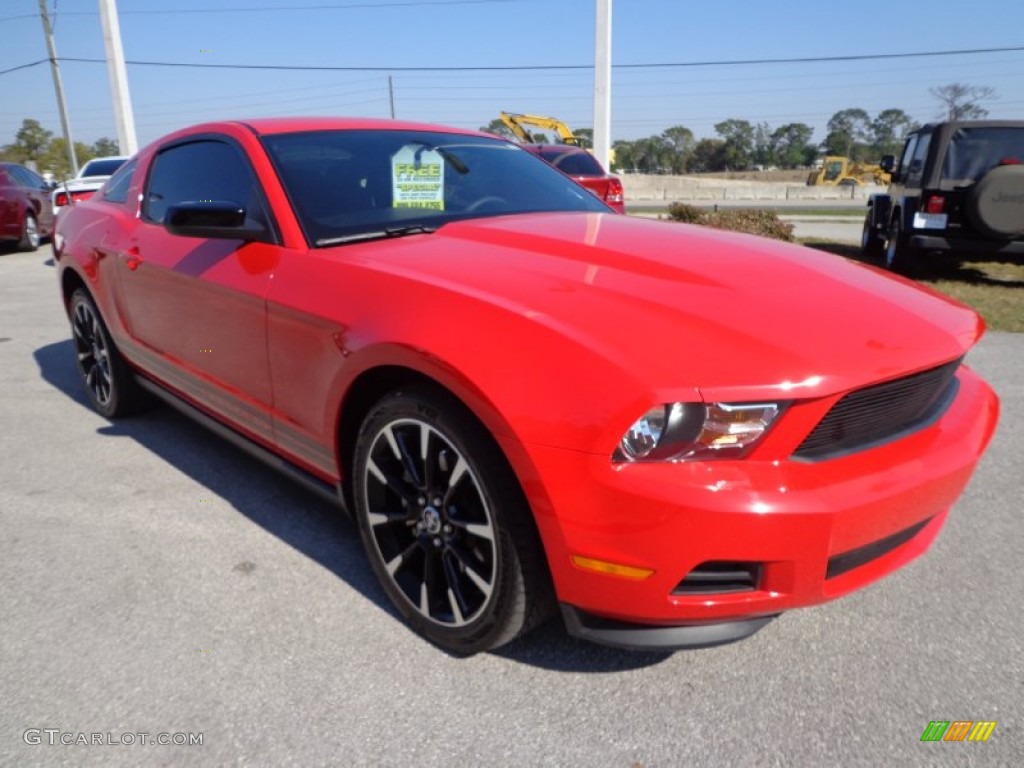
899 256
995 205
871 245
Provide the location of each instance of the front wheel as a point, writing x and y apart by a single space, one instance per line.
871 245
109 383
899 256
445 524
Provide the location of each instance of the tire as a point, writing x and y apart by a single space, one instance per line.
899 256
109 383
30 237
446 525
872 246
995 205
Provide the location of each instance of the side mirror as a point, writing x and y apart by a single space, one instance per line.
214 219
888 163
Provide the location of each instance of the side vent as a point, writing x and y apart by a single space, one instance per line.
719 577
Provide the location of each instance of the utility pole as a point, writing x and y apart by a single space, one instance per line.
603 81
58 86
123 116
391 96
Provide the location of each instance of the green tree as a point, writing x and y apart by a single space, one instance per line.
30 142
55 158
961 101
681 141
585 135
498 128
105 147
889 129
792 145
708 155
764 148
738 148
848 132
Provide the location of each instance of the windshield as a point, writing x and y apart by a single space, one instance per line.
344 183
973 152
104 167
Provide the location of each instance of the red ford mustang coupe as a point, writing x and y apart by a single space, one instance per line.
671 433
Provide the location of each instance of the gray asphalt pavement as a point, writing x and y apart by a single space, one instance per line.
154 580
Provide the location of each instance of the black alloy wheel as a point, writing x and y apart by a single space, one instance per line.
445 525
111 388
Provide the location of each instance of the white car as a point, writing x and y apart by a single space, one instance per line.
90 177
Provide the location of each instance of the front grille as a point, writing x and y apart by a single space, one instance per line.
720 577
881 413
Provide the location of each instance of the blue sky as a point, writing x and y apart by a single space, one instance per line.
485 33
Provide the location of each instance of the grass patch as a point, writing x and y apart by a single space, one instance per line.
749 220
781 210
995 289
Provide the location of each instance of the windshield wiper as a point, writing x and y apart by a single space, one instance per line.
377 234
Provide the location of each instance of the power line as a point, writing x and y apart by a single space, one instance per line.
24 66
289 8
534 67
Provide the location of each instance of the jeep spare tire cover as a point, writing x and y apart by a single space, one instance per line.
995 204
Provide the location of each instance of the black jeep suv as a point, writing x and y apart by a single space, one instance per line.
958 187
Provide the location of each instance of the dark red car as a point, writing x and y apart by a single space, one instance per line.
26 213
527 401
583 168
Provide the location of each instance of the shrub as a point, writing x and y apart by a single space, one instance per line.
750 220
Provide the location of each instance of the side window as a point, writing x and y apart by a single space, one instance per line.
6 180
905 158
116 188
916 169
201 170
27 178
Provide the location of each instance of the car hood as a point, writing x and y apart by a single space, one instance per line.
736 316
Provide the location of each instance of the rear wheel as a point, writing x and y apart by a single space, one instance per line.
109 383
445 525
29 234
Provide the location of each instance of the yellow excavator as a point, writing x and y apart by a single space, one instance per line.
515 123
837 170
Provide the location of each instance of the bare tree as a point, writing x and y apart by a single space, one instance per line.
960 101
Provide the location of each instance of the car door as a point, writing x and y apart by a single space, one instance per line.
10 219
37 191
195 307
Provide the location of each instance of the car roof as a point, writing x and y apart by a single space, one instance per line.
973 124
555 148
274 125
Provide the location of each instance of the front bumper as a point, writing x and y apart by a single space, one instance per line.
816 530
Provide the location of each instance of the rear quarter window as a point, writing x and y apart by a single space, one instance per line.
574 163
116 188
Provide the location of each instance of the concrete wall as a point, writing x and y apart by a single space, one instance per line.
650 188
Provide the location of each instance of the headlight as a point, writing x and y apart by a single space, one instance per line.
678 431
